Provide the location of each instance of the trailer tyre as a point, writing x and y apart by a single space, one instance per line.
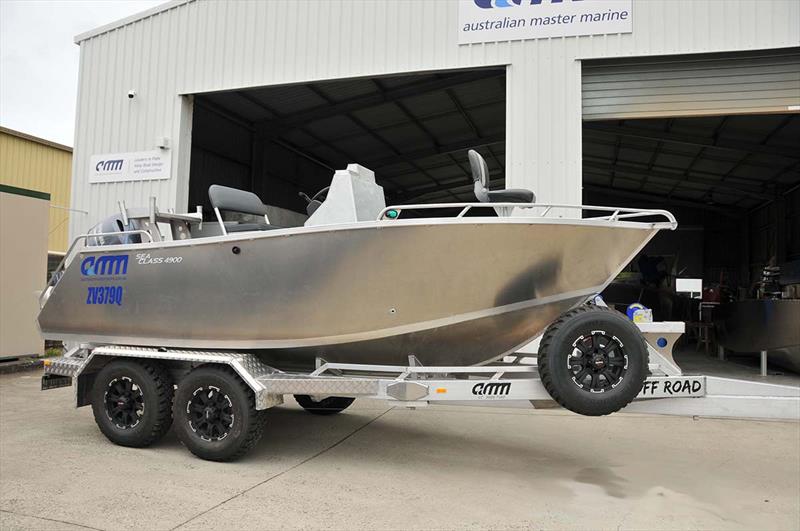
327 406
132 402
593 360
215 414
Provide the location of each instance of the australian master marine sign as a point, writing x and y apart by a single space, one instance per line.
503 20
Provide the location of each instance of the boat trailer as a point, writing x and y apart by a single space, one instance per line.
512 381
330 388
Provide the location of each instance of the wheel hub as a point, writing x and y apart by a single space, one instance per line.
210 413
598 362
124 403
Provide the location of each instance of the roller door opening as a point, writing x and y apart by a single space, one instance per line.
411 130
716 140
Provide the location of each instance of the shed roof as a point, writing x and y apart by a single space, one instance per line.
36 139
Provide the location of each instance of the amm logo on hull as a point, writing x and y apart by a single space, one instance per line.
108 265
489 4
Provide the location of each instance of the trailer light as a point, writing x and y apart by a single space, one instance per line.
441 390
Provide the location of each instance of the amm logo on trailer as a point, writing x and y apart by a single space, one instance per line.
491 389
109 265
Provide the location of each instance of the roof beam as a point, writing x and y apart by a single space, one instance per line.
285 143
444 162
725 157
344 155
370 100
422 119
452 185
786 169
438 150
269 109
363 126
495 157
591 176
391 147
643 196
656 152
463 112
700 154
693 140
223 113
755 191
747 155
405 110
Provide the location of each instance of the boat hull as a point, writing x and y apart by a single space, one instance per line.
447 291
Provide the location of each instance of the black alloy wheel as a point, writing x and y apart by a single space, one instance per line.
132 401
210 413
598 362
215 414
124 402
593 360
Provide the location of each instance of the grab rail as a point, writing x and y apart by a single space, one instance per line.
60 267
616 213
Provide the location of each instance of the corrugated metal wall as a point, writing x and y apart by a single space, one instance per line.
207 45
28 163
765 81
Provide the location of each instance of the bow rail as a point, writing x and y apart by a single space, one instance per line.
612 214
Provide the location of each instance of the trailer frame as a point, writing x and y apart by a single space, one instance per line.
411 385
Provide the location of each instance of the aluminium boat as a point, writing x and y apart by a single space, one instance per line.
359 282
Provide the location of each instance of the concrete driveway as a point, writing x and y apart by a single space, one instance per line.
380 468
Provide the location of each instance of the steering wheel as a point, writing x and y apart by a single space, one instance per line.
319 196
315 202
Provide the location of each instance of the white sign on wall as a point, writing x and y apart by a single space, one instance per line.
135 166
509 20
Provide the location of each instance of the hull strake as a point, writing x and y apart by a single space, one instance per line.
458 292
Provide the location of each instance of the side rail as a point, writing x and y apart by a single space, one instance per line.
72 249
411 385
416 385
542 210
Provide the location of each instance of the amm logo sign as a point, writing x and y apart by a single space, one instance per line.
491 389
489 4
109 166
109 265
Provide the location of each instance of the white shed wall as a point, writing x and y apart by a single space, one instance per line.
203 45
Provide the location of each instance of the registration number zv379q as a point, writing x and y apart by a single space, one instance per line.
104 295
